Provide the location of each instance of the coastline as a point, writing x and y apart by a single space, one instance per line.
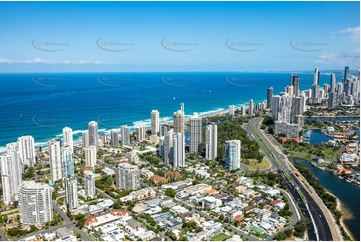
340 208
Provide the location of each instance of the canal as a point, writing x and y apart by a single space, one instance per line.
347 193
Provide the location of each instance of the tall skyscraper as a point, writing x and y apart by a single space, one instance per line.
164 128
290 91
315 98
231 110
125 135
168 147
250 107
10 176
332 100
332 83
298 107
90 154
68 138
316 77
85 139
140 133
71 192
67 162
178 150
233 154
243 110
285 109
114 138
127 177
154 122
178 122
89 182
275 108
93 134
211 141
26 149
35 204
55 160
346 74
195 123
269 97
295 82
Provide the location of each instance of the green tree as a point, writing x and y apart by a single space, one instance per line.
170 192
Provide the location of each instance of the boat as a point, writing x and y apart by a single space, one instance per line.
340 177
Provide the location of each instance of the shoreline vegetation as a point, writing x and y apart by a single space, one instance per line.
331 201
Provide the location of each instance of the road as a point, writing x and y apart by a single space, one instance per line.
3 236
319 227
70 224
252 128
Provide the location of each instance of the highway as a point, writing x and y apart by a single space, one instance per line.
319 228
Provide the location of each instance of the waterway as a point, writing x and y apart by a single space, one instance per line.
317 137
347 193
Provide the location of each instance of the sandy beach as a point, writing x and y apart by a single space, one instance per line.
345 214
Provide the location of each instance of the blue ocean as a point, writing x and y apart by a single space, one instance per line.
42 104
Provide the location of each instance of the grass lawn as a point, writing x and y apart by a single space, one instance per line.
254 165
220 237
330 153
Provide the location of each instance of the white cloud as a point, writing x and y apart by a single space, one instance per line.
352 34
6 61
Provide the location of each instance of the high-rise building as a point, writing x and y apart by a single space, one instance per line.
290 91
127 177
10 176
269 97
250 107
295 82
316 77
90 154
125 135
178 122
332 83
67 162
315 98
243 110
346 74
71 192
85 139
298 107
178 150
195 123
164 128
211 141
89 182
35 204
231 110
332 100
161 147
140 133
154 122
93 134
68 138
114 138
285 108
168 147
26 149
233 154
55 160
275 108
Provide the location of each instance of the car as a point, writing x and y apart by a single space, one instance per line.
320 215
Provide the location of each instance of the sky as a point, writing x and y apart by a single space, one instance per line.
178 36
